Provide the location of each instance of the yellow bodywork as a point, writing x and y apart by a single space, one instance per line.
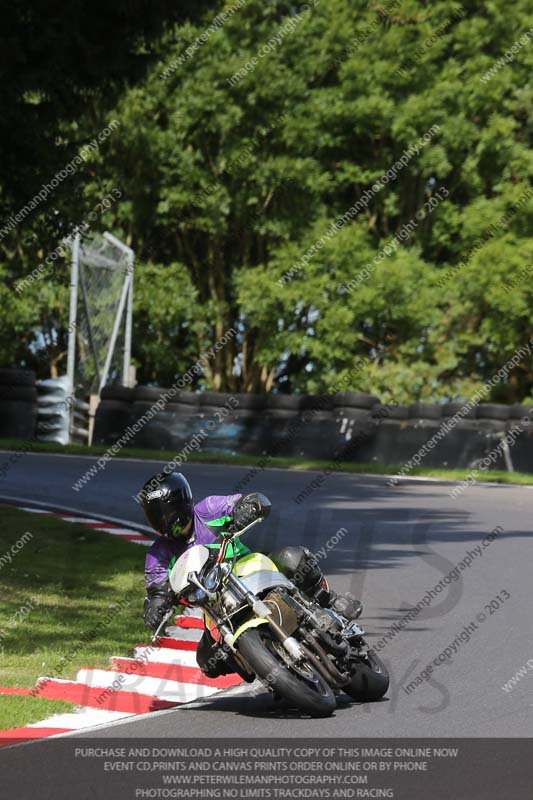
252 623
254 562
246 566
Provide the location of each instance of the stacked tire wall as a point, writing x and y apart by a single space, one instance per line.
53 410
18 404
349 426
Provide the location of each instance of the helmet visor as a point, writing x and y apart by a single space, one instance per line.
178 527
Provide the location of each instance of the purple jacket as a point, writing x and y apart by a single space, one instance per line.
210 515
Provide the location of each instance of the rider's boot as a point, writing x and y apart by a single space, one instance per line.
301 566
346 605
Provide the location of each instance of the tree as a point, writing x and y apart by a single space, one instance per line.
63 67
297 148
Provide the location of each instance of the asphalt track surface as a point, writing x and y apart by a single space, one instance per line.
400 542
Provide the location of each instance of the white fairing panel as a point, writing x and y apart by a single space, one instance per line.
192 560
265 579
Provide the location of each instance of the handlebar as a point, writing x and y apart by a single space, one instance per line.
227 538
237 534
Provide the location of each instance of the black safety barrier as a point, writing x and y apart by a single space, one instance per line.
346 427
18 404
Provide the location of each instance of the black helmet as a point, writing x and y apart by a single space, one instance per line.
167 503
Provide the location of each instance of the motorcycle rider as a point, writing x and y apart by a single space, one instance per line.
168 505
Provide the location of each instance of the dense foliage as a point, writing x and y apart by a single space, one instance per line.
243 145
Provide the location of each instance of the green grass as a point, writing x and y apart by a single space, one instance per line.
69 578
17 711
496 476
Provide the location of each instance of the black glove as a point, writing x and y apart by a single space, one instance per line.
249 508
159 600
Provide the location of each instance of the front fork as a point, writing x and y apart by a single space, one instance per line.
260 609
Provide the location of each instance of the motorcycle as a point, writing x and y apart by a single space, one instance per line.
270 630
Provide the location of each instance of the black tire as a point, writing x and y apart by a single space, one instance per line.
116 392
248 400
17 377
398 412
311 695
370 680
519 412
113 405
27 394
285 402
246 413
182 409
138 408
354 413
17 419
451 409
380 413
152 394
188 399
425 411
112 418
317 402
313 415
356 399
493 411
214 399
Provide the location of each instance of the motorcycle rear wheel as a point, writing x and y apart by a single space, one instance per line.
301 686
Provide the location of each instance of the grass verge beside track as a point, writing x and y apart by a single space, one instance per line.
61 583
495 476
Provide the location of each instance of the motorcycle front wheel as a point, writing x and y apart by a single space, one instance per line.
369 680
299 684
